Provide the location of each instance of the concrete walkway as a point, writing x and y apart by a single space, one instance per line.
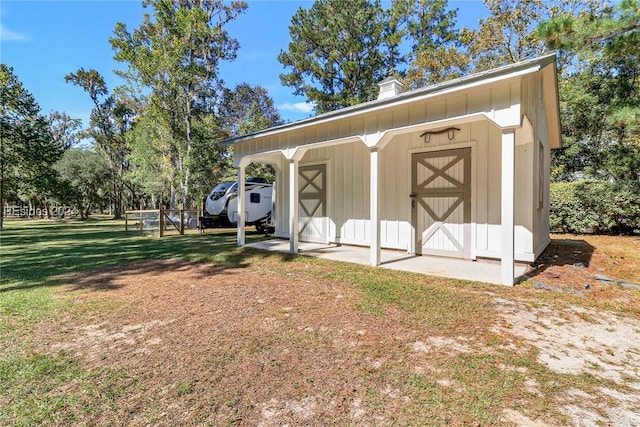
487 271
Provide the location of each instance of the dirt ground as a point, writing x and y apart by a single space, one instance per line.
243 346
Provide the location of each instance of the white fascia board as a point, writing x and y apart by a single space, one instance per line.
417 96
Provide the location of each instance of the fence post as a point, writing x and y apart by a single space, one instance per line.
141 224
181 221
126 224
160 222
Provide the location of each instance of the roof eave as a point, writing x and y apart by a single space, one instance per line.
485 77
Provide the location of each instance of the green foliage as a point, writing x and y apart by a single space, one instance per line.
211 161
340 50
149 156
595 207
64 130
335 53
84 175
436 52
173 59
600 101
246 109
109 121
611 31
27 150
509 34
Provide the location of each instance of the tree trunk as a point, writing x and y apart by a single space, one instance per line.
172 197
186 199
47 207
81 209
2 160
2 198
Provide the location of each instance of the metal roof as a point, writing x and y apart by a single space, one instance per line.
538 63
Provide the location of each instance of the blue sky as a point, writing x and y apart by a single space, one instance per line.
45 40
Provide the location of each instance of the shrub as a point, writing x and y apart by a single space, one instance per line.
595 207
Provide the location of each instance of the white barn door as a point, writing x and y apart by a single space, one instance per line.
313 203
441 202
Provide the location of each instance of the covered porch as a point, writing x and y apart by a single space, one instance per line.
457 170
486 271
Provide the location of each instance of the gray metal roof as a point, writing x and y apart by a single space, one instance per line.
540 62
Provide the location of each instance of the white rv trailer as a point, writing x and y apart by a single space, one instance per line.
221 205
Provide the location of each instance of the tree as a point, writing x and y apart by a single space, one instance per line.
610 37
64 130
149 155
336 53
83 174
109 121
601 98
212 161
173 59
246 109
27 149
436 52
340 50
509 34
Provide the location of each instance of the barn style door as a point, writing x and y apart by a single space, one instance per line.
313 203
441 202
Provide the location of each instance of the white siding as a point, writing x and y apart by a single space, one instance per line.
348 166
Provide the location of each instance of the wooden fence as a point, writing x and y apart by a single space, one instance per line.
162 221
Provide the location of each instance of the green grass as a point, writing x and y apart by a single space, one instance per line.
35 388
35 255
35 252
40 389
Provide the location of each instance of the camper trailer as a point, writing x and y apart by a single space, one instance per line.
221 205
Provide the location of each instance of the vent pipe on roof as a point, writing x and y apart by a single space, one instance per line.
389 87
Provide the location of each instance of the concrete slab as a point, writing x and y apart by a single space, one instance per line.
487 271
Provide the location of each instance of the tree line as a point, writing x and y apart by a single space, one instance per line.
156 138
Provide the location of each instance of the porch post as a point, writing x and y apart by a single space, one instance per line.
508 207
374 208
293 206
241 203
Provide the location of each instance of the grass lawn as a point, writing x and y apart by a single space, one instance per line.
99 326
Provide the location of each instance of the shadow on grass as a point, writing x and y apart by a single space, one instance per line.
107 279
39 254
562 252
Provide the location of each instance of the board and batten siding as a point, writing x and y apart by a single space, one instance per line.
533 107
337 143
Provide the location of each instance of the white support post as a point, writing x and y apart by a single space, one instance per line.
293 206
508 208
241 204
374 208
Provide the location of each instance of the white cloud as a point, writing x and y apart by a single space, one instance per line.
8 35
298 107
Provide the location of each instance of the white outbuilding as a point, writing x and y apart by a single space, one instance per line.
457 169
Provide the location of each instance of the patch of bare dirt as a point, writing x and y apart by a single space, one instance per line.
604 268
274 350
212 345
583 341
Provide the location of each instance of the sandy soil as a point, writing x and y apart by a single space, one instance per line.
274 351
